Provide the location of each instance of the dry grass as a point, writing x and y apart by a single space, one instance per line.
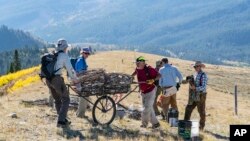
38 122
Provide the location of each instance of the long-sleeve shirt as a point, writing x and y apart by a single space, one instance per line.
63 61
81 65
146 74
169 75
201 86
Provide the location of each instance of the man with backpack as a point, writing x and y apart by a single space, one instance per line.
146 76
199 87
80 67
169 75
52 71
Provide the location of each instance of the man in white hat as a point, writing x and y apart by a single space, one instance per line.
57 85
80 67
200 89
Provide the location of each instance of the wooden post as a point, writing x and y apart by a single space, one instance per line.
235 100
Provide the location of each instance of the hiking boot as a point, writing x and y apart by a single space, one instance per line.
156 125
68 121
63 124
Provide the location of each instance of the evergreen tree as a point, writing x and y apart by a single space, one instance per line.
17 63
11 68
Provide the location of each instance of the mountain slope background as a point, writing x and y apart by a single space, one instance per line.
183 29
11 39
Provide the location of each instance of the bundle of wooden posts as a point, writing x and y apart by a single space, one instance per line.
98 82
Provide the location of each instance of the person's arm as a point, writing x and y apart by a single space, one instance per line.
178 74
133 74
203 84
161 79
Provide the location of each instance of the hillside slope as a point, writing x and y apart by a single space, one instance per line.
219 27
11 39
38 122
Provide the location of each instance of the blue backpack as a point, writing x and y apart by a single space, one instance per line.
73 62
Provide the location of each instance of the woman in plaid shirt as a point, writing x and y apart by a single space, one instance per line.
200 88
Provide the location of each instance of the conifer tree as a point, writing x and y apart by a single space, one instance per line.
17 63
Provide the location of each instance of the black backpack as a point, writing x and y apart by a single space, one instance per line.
48 62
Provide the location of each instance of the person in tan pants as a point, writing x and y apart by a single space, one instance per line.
169 75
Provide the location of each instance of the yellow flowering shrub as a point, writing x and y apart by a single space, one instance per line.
13 76
23 82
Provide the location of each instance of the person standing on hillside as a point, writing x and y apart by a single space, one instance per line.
169 75
159 90
80 67
57 85
146 76
200 89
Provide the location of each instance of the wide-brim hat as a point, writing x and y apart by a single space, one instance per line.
61 44
85 50
199 63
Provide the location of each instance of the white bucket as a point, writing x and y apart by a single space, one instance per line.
195 128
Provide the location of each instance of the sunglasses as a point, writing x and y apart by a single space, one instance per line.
86 53
196 67
140 61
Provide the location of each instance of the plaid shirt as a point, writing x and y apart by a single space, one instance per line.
201 86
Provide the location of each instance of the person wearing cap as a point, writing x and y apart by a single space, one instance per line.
57 85
146 76
80 67
200 89
159 90
169 75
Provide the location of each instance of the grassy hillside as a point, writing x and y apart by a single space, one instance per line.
38 122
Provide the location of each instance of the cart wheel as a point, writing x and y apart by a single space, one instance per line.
104 110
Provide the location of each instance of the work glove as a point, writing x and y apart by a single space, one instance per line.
178 85
150 81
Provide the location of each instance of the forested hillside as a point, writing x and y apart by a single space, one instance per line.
11 39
